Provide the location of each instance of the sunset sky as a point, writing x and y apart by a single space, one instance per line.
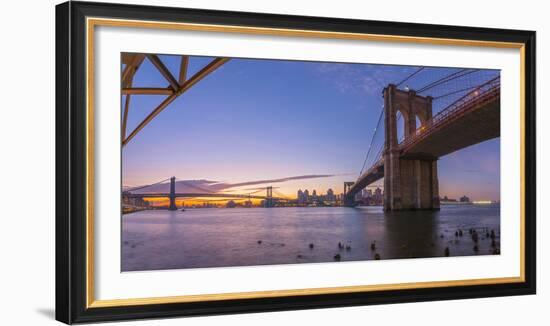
254 120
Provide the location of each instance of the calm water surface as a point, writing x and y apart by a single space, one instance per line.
161 239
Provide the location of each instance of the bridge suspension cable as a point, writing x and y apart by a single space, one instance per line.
446 86
446 79
376 130
145 186
455 92
488 85
453 89
280 194
189 184
257 191
410 76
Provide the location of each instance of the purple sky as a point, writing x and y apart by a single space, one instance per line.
254 120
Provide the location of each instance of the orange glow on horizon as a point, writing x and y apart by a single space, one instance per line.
198 201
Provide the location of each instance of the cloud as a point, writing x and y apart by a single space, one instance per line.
360 78
188 186
256 189
209 186
270 181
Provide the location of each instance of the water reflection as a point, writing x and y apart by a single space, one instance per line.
241 237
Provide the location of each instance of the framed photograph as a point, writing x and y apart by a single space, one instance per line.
215 162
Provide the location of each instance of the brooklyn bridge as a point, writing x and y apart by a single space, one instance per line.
419 123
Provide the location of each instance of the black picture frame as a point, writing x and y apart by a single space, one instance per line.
71 158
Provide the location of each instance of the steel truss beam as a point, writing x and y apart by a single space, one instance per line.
147 91
177 87
132 62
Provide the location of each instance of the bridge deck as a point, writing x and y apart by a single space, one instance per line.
471 121
476 121
375 173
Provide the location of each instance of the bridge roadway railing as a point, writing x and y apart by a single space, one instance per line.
485 93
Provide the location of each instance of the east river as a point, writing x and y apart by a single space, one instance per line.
216 237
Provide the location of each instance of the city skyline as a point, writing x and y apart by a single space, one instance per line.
267 119
372 195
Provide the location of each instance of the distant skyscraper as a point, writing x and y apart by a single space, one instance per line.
330 195
368 193
301 197
378 196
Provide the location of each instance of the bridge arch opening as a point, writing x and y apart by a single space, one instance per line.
409 124
401 122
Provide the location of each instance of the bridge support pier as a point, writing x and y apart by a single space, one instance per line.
349 201
409 182
172 196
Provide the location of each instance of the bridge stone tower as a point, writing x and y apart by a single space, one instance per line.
348 201
409 182
172 196
269 197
